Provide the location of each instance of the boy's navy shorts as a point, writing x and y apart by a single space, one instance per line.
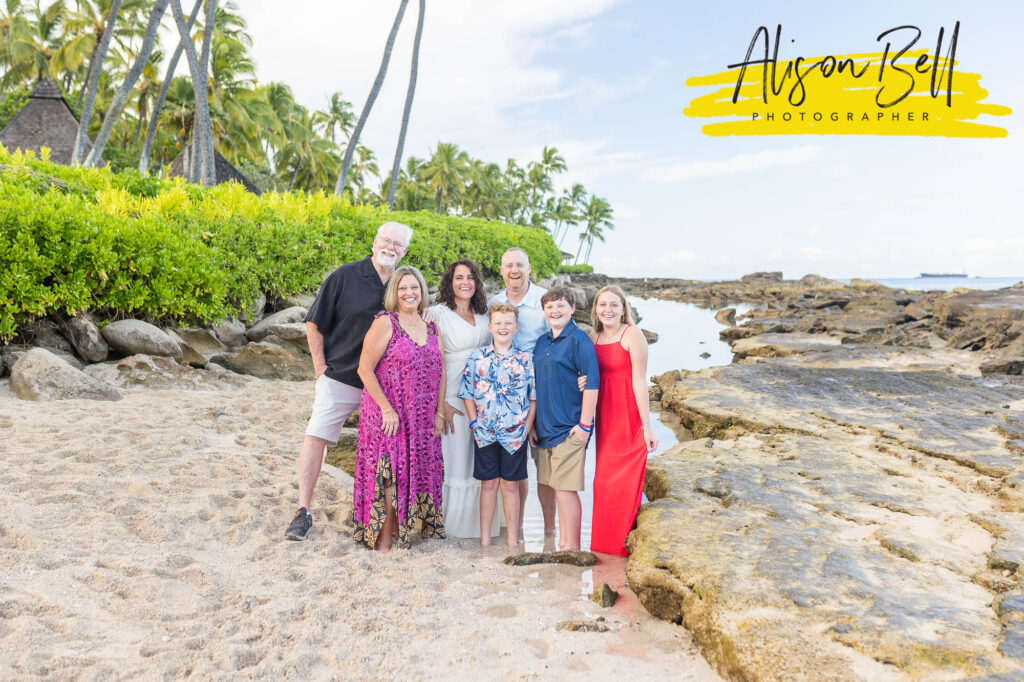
494 461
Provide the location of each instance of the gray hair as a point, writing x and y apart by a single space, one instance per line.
516 249
406 230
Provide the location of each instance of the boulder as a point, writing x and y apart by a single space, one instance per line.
272 358
12 353
230 332
303 301
132 337
254 313
343 453
42 375
46 334
160 373
1010 366
3 365
293 333
726 316
650 336
84 334
762 277
203 341
189 355
263 328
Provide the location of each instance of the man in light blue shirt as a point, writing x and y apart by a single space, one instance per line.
520 292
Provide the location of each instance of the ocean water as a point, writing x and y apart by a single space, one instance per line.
944 283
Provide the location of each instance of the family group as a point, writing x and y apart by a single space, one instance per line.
454 397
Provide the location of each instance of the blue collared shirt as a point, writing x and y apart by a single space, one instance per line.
532 322
502 387
559 362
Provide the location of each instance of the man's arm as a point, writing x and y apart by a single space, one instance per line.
316 348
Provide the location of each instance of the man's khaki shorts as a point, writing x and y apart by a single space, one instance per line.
561 467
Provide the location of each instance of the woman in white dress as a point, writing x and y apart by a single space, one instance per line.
461 315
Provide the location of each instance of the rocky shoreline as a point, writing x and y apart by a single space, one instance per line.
849 506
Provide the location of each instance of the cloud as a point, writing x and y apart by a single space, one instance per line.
742 163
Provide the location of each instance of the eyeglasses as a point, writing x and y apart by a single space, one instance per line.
392 243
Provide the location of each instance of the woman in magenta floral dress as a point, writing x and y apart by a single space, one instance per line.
399 469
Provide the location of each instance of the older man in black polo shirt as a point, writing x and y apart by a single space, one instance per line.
335 326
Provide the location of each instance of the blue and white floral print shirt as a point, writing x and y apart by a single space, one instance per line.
502 387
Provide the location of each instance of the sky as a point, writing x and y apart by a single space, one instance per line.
604 82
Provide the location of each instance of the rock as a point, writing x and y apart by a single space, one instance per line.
1011 366
650 336
604 596
581 626
571 557
705 355
263 329
762 277
41 375
726 316
343 453
294 333
817 281
916 311
84 334
230 332
268 359
203 341
306 301
654 393
189 355
11 354
981 318
3 364
733 333
585 327
254 313
46 334
133 337
160 373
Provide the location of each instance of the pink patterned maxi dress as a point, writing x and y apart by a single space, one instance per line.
410 375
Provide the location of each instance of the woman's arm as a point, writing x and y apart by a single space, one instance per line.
638 358
374 345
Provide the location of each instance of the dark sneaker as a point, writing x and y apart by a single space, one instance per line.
300 525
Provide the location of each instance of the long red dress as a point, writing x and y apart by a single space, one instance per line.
621 452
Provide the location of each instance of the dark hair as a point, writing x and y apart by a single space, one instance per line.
559 294
446 290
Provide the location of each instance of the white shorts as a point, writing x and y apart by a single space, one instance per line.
332 405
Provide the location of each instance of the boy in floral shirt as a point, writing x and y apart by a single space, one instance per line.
498 390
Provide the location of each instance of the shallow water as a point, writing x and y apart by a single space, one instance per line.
685 331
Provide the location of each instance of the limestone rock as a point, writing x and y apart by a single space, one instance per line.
230 332
650 336
570 557
263 329
41 375
84 334
294 333
160 373
1011 366
269 360
203 341
132 337
46 334
581 626
189 355
726 316
343 453
254 313
12 353
604 596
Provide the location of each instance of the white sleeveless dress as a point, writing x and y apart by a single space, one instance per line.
461 497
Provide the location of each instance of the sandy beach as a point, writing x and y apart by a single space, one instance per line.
144 538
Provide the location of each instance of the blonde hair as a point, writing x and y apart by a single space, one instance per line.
627 312
502 307
391 293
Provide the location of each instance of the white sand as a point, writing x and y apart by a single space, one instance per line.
144 539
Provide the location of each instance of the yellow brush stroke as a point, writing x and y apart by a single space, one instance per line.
919 114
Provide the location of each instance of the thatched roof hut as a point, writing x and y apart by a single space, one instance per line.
45 121
226 172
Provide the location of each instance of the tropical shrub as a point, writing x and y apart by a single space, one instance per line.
582 268
126 244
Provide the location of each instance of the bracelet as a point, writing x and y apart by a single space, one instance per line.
472 423
587 429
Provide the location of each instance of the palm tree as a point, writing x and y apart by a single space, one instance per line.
408 105
598 216
117 104
445 173
207 167
338 116
92 83
203 135
576 198
158 105
562 212
377 83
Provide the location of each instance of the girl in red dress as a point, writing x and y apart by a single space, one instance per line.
623 421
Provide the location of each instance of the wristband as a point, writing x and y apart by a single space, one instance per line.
472 423
588 430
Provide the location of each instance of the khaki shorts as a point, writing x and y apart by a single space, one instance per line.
561 467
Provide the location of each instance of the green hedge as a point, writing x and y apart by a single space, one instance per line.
582 268
124 244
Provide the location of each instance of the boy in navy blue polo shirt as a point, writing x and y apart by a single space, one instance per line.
565 416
